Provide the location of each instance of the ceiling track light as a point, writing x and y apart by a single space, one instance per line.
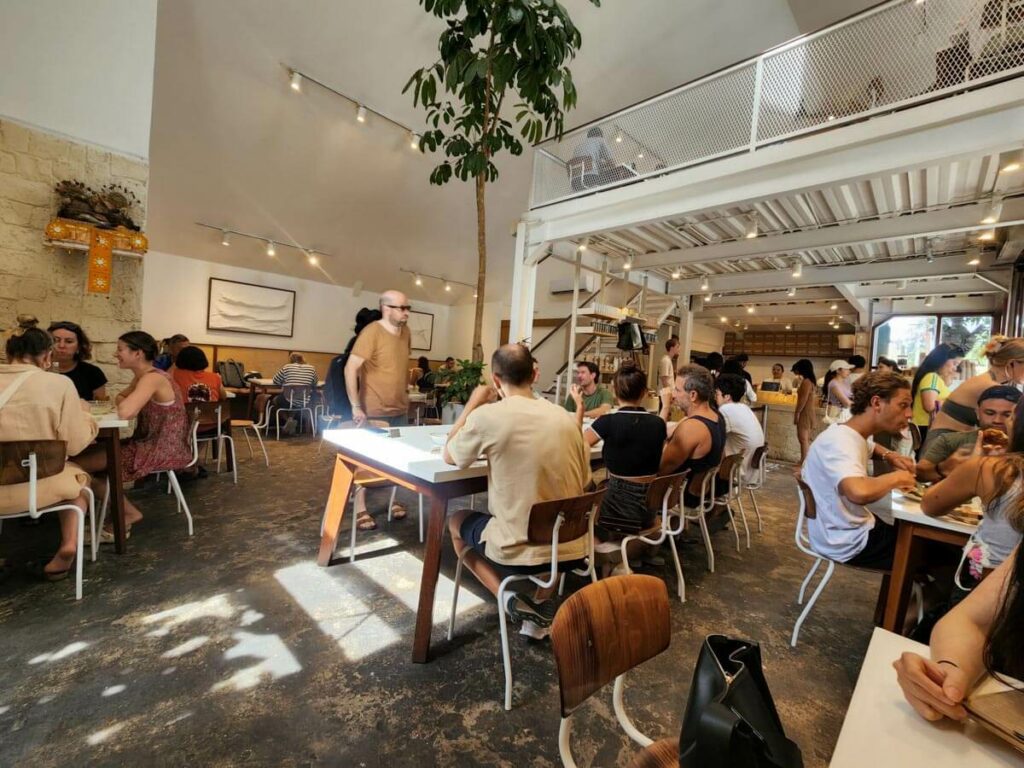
447 286
296 81
750 310
361 114
834 307
1011 167
975 259
987 235
753 230
903 284
798 269
618 137
930 301
676 273
312 258
419 280
724 319
225 238
414 140
929 253
789 326
791 292
705 284
270 249
995 210
627 263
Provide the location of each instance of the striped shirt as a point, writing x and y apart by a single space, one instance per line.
296 375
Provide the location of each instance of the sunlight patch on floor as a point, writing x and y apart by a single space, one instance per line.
98 737
63 653
187 647
218 607
275 661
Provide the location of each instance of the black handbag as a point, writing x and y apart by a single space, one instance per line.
730 719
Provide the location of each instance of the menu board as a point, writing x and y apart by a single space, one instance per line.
788 343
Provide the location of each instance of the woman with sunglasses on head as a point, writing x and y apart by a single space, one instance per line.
71 349
959 411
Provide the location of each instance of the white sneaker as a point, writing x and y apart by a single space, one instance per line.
534 631
621 570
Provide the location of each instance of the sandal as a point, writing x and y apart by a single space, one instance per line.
38 570
398 511
365 523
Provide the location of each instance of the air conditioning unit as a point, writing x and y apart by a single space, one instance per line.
589 283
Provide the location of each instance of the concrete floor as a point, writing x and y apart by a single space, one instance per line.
234 648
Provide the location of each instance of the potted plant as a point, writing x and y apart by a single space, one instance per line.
458 385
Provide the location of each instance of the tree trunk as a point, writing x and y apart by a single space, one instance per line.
481 276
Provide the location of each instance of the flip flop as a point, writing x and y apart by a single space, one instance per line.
365 523
38 570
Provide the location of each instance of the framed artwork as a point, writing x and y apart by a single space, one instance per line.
421 330
248 308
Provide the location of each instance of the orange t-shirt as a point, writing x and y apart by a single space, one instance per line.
385 370
198 386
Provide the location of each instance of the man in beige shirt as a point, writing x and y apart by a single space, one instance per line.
377 368
535 452
375 379
668 364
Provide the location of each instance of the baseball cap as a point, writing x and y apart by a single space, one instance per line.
837 364
1000 392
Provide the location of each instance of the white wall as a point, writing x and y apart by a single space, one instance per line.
707 338
175 292
81 69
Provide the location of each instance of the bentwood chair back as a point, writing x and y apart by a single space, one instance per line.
701 485
730 472
664 495
26 462
551 523
599 634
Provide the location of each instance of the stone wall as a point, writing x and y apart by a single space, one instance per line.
48 282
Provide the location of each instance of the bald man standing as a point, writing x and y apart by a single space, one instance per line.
378 366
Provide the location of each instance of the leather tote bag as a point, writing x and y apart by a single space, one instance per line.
730 719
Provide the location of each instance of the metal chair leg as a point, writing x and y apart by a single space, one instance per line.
757 510
679 570
811 602
807 580
455 595
182 504
707 542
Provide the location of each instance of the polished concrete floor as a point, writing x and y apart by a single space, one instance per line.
233 648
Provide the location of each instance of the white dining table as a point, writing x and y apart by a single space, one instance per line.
913 528
409 457
881 729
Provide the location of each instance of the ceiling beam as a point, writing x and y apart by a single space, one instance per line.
778 310
965 218
947 266
961 285
767 297
859 306
981 304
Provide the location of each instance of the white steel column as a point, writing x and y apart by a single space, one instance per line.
685 328
569 369
524 287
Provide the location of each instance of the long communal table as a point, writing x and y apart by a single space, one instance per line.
413 461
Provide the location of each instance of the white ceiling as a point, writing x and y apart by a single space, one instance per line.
233 146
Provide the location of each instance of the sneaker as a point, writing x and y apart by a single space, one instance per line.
290 427
523 608
535 631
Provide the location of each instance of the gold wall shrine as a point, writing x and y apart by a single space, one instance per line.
102 245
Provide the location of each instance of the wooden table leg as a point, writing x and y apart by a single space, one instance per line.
899 584
252 400
341 486
113 440
428 583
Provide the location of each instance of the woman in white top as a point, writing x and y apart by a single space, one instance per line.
38 405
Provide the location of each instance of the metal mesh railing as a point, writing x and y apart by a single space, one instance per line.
900 54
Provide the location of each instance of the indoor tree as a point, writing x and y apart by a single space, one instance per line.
490 51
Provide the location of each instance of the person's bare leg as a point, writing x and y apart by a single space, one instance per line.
487 576
65 557
94 461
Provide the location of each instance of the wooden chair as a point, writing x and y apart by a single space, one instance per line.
808 511
730 471
759 462
551 523
701 485
29 461
599 634
664 494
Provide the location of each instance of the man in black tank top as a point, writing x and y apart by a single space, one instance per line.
698 440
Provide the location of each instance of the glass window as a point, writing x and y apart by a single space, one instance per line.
906 339
971 332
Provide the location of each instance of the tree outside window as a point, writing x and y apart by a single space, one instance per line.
970 332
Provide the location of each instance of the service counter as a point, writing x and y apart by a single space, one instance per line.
779 430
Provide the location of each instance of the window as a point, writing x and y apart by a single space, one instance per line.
906 339
971 332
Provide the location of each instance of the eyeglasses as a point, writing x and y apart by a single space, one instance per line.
403 307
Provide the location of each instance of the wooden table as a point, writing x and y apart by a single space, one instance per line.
414 462
881 728
110 437
913 528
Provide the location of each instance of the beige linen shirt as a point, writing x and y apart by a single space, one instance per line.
535 452
666 369
385 370
45 407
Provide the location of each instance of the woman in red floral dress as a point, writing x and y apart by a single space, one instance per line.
160 442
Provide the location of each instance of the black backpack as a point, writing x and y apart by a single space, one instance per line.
231 373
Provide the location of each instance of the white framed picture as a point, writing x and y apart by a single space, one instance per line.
421 330
249 308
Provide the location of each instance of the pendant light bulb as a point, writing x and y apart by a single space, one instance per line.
225 238
361 114
270 249
296 81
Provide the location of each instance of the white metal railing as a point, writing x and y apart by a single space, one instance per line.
895 55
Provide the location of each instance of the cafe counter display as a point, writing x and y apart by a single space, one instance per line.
779 430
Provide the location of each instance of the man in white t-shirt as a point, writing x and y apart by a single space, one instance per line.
836 469
743 433
668 364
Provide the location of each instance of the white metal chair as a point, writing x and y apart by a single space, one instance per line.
257 428
298 399
552 523
664 493
29 461
731 471
599 634
703 485
211 415
807 512
758 462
